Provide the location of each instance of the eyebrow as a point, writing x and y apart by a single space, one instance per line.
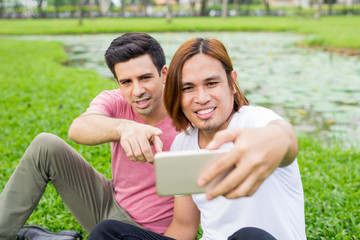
213 77
138 77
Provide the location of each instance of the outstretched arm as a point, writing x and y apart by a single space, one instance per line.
92 128
186 219
256 154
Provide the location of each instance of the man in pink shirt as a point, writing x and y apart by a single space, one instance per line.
134 120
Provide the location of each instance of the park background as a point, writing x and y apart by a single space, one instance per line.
45 84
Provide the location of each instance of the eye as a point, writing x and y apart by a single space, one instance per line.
212 83
146 77
125 82
187 88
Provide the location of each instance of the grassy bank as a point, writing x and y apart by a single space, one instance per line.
40 94
336 32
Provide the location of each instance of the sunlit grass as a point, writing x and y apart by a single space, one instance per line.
39 94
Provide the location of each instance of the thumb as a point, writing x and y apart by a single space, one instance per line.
222 137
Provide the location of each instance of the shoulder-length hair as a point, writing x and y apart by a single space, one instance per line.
173 84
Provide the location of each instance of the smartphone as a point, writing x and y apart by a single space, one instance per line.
177 172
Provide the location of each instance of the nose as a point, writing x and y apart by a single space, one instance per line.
202 96
138 89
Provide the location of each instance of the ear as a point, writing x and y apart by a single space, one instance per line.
234 80
164 73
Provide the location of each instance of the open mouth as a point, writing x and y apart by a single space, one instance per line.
205 113
143 103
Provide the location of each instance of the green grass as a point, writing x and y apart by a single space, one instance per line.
40 94
331 181
334 31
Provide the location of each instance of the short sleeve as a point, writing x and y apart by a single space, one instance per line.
253 117
105 102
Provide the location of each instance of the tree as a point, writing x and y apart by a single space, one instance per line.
168 11
318 11
104 7
203 7
1 8
248 3
91 8
57 4
267 7
122 8
39 7
224 9
330 2
81 11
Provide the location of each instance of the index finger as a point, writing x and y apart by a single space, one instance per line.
157 143
146 150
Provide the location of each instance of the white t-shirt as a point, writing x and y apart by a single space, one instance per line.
276 207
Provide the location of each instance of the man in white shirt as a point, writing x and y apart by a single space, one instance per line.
203 99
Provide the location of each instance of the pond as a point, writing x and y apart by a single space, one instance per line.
318 92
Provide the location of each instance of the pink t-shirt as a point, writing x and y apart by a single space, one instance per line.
134 182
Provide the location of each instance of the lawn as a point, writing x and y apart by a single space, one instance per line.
41 94
332 32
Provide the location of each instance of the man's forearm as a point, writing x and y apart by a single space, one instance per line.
290 141
93 129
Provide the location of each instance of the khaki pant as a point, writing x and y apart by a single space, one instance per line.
87 193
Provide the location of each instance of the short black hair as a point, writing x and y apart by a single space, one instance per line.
132 45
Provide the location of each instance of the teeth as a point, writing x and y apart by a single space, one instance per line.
205 111
142 101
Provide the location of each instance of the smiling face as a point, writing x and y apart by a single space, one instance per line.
207 98
142 87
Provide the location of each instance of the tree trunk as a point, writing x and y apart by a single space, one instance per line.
39 6
330 7
248 3
318 11
203 7
168 11
104 7
91 8
192 6
267 7
57 4
122 8
81 10
1 8
224 9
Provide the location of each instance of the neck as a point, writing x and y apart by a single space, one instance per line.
156 116
205 137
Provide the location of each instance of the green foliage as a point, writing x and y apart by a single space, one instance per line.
334 32
39 94
331 181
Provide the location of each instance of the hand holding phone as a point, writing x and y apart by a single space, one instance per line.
177 172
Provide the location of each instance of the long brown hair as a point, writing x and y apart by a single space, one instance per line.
173 84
